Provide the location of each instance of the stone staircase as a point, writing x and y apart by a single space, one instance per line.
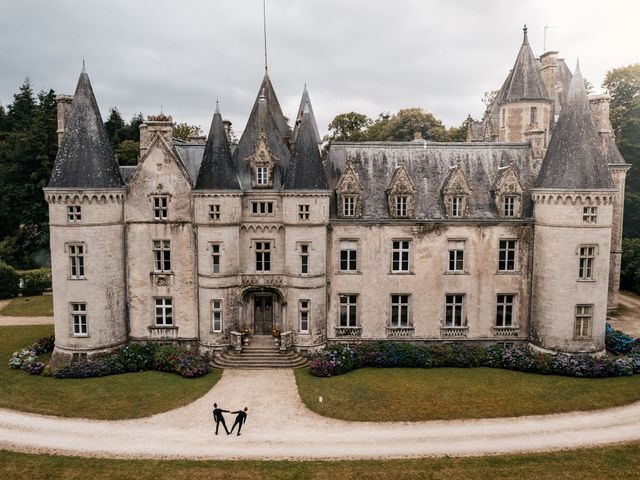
260 353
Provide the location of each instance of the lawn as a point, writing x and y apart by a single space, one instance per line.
397 394
116 397
615 462
39 306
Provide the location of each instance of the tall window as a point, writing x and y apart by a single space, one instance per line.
262 175
160 207
584 316
348 255
348 206
507 255
215 258
401 205
533 118
304 315
214 211
399 310
304 259
589 214
164 312
400 256
456 255
303 211
453 316
504 310
79 319
263 256
162 255
216 315
509 207
457 206
74 213
587 257
261 208
348 311
76 258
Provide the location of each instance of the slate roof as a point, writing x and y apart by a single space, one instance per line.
524 81
428 165
217 171
305 103
85 158
306 171
191 156
574 159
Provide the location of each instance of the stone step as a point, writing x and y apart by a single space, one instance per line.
260 359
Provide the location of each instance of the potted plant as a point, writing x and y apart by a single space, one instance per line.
276 335
245 332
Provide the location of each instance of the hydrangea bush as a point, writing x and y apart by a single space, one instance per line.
27 358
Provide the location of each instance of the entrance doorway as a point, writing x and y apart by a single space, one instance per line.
263 314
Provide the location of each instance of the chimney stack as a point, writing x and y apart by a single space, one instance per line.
600 112
63 105
162 124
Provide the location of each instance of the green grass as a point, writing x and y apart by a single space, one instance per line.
397 394
115 397
39 306
615 462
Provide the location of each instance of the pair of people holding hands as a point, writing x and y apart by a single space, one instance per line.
218 417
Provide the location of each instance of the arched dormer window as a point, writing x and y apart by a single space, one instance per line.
262 163
400 194
349 194
456 191
507 193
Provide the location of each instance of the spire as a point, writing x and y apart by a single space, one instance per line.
525 81
306 171
305 107
85 158
264 27
217 171
574 159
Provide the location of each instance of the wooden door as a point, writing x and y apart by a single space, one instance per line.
263 315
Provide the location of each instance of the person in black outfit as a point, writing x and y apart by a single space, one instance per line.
241 417
219 418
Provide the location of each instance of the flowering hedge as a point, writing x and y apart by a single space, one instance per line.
27 358
619 341
339 359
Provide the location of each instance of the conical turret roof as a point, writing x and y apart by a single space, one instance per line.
305 102
525 81
85 158
575 159
217 171
306 171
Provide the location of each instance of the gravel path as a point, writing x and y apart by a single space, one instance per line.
6 320
280 427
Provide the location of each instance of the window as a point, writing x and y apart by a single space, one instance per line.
400 256
263 256
348 206
164 312
533 118
304 259
584 315
261 208
348 255
457 206
160 207
262 175
215 258
79 319
507 256
303 211
589 214
509 207
504 310
399 310
453 311
587 257
348 310
76 258
216 315
74 213
456 255
401 205
162 256
304 315
214 211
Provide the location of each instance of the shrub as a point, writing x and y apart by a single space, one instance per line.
27 358
36 281
619 341
9 281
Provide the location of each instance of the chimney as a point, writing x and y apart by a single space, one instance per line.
600 112
197 139
227 129
417 137
155 124
63 104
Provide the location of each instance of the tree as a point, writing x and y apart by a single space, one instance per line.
21 110
183 131
127 152
348 127
403 125
115 126
623 84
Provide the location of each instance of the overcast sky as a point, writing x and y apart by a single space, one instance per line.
354 55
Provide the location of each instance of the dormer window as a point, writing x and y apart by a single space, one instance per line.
456 191
401 206
262 163
400 193
348 206
349 194
457 206
509 206
508 193
262 176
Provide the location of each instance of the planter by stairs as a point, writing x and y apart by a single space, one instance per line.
260 353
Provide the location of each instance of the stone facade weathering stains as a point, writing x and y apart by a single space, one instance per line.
513 236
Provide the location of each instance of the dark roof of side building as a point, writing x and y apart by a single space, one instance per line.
306 171
85 158
305 105
525 81
575 159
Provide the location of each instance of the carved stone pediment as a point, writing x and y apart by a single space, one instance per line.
507 185
401 192
455 186
262 157
349 189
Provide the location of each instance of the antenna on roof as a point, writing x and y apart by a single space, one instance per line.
544 42
264 27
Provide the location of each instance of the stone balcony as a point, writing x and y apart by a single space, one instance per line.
163 333
406 331
454 331
510 331
348 331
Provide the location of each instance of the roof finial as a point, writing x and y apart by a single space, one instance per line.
161 113
217 106
264 27
84 67
525 39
